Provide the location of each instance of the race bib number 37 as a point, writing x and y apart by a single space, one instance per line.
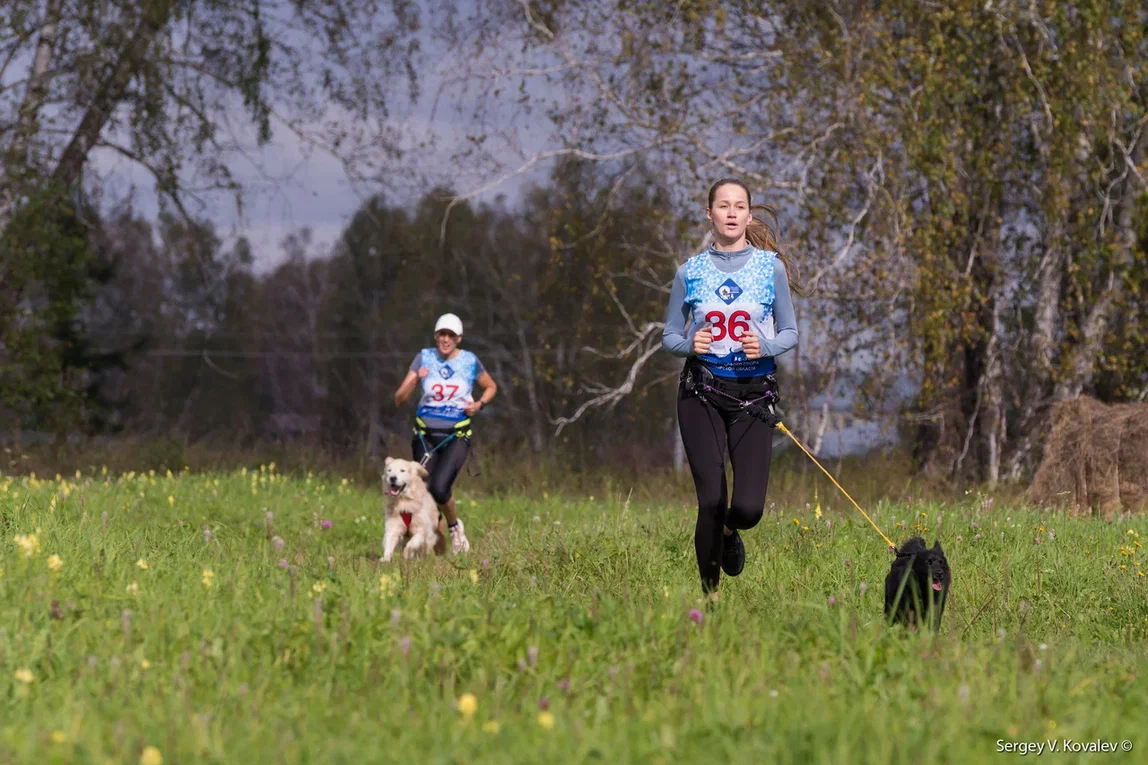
440 392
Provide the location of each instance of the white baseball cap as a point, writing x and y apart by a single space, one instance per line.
450 322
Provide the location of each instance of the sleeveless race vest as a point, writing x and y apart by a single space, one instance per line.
733 303
448 387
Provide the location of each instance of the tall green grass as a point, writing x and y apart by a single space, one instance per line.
569 624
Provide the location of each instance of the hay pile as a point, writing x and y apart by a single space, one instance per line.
1095 459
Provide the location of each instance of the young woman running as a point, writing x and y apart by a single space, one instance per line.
730 314
448 376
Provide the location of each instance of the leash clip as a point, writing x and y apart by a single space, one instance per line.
426 458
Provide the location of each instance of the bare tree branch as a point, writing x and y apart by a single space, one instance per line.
843 253
610 398
531 162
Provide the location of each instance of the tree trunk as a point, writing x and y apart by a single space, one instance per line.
18 163
111 92
994 415
1084 360
537 437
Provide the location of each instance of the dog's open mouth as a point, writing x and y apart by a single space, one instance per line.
394 491
937 586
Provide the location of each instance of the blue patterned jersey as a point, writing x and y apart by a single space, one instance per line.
448 387
733 303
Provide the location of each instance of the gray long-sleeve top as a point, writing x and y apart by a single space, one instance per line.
678 339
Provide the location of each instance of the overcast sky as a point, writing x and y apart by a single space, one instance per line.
289 184
288 187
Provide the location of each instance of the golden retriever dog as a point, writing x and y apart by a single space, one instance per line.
411 513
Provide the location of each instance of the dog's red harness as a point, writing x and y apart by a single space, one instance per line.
406 519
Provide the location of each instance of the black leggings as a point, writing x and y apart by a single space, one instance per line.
708 423
445 464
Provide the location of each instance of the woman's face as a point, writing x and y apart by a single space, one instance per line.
446 341
729 213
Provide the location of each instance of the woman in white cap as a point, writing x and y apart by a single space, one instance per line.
448 376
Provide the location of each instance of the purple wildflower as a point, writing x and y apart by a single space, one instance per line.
696 616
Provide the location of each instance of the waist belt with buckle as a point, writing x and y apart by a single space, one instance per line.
461 429
756 395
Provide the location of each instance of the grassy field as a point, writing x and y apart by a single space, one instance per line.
244 618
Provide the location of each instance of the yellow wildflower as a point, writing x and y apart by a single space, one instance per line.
24 675
141 563
474 575
170 499
58 737
318 587
151 756
388 584
133 588
491 726
467 704
546 720
29 544
55 562
208 577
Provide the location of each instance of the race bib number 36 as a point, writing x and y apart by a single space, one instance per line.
732 326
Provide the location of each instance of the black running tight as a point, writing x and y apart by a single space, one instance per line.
708 426
445 464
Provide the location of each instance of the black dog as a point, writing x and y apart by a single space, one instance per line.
918 579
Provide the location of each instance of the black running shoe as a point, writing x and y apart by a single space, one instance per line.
733 554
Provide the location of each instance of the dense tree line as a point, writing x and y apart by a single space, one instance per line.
191 340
